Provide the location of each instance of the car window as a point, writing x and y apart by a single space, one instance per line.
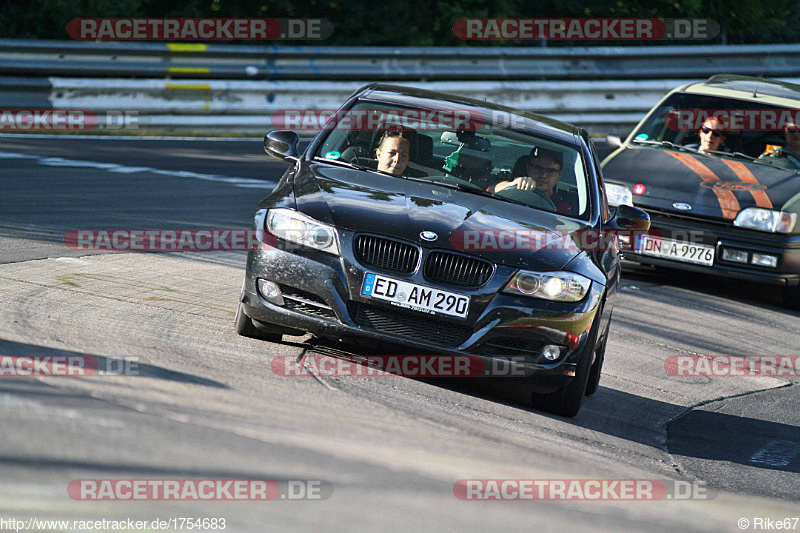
605 208
750 126
454 147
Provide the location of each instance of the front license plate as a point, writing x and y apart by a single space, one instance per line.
417 297
687 252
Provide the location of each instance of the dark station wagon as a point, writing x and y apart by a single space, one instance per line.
729 212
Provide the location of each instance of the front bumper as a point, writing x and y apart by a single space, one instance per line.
726 236
322 295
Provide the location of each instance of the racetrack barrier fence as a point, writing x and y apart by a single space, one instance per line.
221 88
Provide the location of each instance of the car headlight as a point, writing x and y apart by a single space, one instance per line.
765 220
300 229
618 195
558 286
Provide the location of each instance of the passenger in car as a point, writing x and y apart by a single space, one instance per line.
791 132
543 170
393 153
785 156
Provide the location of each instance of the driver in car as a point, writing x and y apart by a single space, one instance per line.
712 137
544 170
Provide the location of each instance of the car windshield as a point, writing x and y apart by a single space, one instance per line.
455 149
751 129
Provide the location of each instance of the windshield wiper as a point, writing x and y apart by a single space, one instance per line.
449 185
344 163
736 154
662 143
460 186
474 189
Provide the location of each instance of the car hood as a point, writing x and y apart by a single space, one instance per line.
370 202
716 187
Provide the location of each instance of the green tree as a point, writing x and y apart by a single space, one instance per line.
416 22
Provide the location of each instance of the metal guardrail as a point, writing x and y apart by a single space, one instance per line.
192 86
26 93
250 105
195 60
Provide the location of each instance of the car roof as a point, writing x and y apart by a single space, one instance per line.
747 88
425 99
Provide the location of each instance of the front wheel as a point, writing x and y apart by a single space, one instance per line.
246 328
791 297
597 367
567 400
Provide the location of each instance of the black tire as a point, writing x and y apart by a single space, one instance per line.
246 328
791 297
567 400
594 374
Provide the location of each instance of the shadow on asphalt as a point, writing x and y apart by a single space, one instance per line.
746 441
129 366
692 433
735 291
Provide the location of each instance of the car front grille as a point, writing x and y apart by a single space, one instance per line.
306 303
408 324
386 254
457 269
683 218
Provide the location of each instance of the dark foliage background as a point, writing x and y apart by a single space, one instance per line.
416 22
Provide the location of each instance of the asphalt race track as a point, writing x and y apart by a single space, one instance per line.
371 453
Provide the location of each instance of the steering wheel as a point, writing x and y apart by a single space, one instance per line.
791 157
532 197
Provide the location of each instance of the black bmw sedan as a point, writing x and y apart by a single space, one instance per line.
443 225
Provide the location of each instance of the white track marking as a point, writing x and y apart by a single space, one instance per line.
244 183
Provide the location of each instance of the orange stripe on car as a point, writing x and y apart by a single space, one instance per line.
761 198
727 200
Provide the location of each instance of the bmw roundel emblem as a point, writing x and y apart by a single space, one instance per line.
428 236
682 206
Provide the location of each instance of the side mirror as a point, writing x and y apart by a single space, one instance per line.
630 218
612 141
282 144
